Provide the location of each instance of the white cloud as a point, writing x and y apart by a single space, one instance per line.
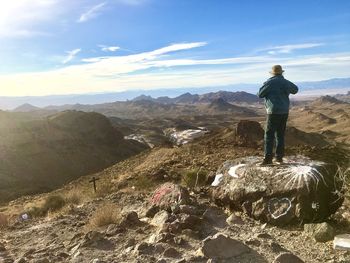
18 18
70 55
160 69
109 49
91 13
285 49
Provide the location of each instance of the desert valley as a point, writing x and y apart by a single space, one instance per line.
147 155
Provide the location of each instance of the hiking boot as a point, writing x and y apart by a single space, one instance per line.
279 160
266 161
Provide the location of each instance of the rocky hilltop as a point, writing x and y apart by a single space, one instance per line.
40 155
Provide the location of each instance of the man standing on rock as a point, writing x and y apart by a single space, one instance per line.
276 92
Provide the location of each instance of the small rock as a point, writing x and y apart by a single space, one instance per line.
97 260
144 248
131 218
253 242
287 258
215 216
130 242
178 240
113 229
190 221
152 211
276 248
189 209
221 246
159 248
2 247
160 218
234 220
63 254
320 232
20 260
264 236
171 253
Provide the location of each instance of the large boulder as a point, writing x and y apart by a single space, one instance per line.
301 190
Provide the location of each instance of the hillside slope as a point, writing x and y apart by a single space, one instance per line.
39 155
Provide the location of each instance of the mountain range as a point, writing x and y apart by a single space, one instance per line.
43 101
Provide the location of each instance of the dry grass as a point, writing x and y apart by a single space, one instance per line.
74 197
105 215
51 204
3 221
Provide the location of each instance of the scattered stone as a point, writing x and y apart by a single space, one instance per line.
264 236
20 260
159 248
276 248
234 220
171 253
97 260
144 248
221 246
97 240
130 219
189 209
160 218
178 240
152 211
320 232
190 221
287 258
113 230
253 242
2 247
215 216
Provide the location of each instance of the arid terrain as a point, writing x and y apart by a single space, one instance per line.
133 148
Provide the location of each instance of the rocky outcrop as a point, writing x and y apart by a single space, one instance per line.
301 190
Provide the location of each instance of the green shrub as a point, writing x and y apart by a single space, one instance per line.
195 178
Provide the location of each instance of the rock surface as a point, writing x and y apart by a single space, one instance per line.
301 190
220 246
287 258
320 232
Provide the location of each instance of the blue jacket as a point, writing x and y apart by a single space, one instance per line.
276 92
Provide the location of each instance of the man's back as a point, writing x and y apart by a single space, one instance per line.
276 92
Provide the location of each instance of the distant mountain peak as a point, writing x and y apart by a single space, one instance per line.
328 99
143 97
26 107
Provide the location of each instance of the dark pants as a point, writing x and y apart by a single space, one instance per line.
275 128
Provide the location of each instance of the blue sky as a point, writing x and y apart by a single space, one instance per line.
85 46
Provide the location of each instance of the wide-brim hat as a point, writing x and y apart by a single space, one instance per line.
276 69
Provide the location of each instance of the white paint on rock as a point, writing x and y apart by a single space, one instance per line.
217 180
233 170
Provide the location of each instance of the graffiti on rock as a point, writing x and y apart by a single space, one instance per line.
279 207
